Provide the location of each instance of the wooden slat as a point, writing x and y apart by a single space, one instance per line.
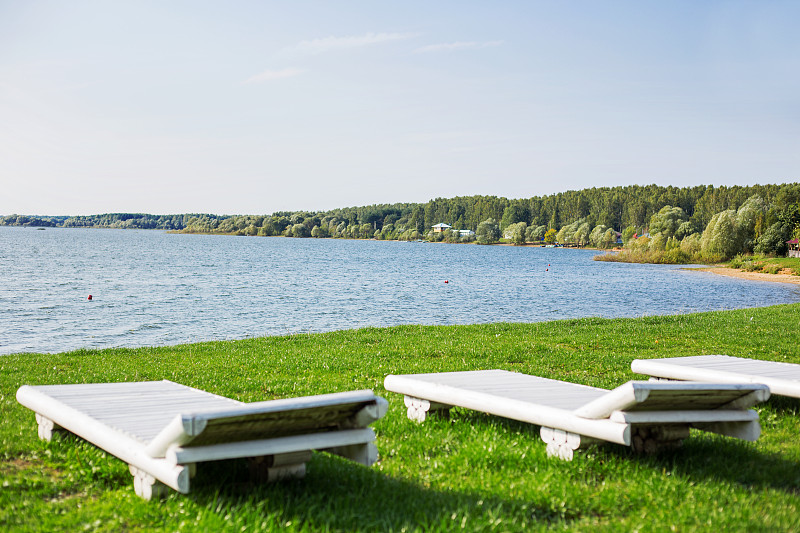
145 408
137 409
516 386
684 417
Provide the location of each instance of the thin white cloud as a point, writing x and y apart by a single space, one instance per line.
458 45
318 46
270 75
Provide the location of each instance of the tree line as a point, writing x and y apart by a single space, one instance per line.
757 226
596 217
107 220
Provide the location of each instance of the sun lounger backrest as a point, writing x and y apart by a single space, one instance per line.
276 418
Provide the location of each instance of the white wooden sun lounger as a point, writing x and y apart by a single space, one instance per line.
783 379
162 429
644 414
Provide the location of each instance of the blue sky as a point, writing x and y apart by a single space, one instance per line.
256 107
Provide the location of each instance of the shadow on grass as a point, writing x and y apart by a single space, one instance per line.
340 495
721 459
784 405
335 494
702 456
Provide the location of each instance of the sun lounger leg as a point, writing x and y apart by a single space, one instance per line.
146 486
562 444
740 430
417 407
271 468
46 427
366 454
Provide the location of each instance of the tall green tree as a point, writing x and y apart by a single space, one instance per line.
488 232
516 212
516 233
667 221
721 239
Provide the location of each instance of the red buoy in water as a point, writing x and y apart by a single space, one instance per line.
90 297
447 281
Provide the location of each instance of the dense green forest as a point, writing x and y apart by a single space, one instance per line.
699 222
108 220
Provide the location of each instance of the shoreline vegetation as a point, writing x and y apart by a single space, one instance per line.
652 224
760 268
778 277
753 267
469 471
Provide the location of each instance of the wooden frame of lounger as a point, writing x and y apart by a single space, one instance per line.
163 429
644 414
783 379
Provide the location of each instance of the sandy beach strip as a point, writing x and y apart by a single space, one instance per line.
755 276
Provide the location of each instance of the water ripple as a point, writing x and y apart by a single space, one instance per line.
154 288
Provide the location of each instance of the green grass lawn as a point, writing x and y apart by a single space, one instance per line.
469 472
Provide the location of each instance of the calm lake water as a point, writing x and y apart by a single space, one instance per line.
153 288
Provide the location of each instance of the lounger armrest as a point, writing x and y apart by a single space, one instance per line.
181 430
684 417
370 413
674 396
619 399
177 455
